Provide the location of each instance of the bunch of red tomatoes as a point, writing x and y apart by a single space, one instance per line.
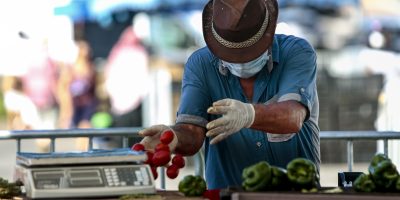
161 157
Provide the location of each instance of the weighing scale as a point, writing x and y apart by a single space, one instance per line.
96 173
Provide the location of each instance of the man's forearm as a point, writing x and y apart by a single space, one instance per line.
190 138
282 117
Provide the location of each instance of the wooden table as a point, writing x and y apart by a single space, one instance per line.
174 195
161 195
330 193
293 196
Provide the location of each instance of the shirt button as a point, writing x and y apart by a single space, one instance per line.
258 144
302 90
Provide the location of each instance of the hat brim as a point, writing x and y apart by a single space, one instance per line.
239 55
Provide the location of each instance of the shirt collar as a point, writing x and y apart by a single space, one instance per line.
275 54
275 50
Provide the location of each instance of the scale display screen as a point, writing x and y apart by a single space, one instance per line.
89 177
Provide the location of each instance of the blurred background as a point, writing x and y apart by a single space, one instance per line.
118 63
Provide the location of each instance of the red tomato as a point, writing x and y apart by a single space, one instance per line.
161 147
138 147
161 158
167 137
149 158
172 171
154 172
211 194
178 161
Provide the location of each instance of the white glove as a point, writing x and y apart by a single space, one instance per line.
152 137
235 116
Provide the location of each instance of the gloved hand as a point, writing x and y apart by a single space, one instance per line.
152 137
235 116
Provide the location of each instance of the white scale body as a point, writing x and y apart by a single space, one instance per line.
85 179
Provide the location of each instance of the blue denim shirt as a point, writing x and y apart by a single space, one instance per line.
292 77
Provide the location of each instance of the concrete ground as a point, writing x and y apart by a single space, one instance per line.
8 149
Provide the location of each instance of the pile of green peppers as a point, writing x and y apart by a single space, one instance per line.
382 176
299 174
192 185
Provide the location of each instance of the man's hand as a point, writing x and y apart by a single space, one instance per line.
152 137
235 116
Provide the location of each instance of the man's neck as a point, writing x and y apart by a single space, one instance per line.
247 86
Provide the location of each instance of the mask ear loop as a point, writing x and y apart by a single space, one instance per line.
270 61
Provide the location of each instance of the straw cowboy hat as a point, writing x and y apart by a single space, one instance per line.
239 31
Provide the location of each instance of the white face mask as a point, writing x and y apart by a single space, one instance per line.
249 69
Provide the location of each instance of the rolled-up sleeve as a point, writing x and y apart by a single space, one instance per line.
195 98
298 78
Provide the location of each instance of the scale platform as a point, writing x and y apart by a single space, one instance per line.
96 173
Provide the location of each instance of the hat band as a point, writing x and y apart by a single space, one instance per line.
246 43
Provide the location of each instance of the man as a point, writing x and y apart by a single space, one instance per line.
249 95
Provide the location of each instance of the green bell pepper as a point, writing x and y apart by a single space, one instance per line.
384 175
398 184
256 177
364 183
9 190
279 179
376 159
192 185
302 173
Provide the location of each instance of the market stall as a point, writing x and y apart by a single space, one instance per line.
116 159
